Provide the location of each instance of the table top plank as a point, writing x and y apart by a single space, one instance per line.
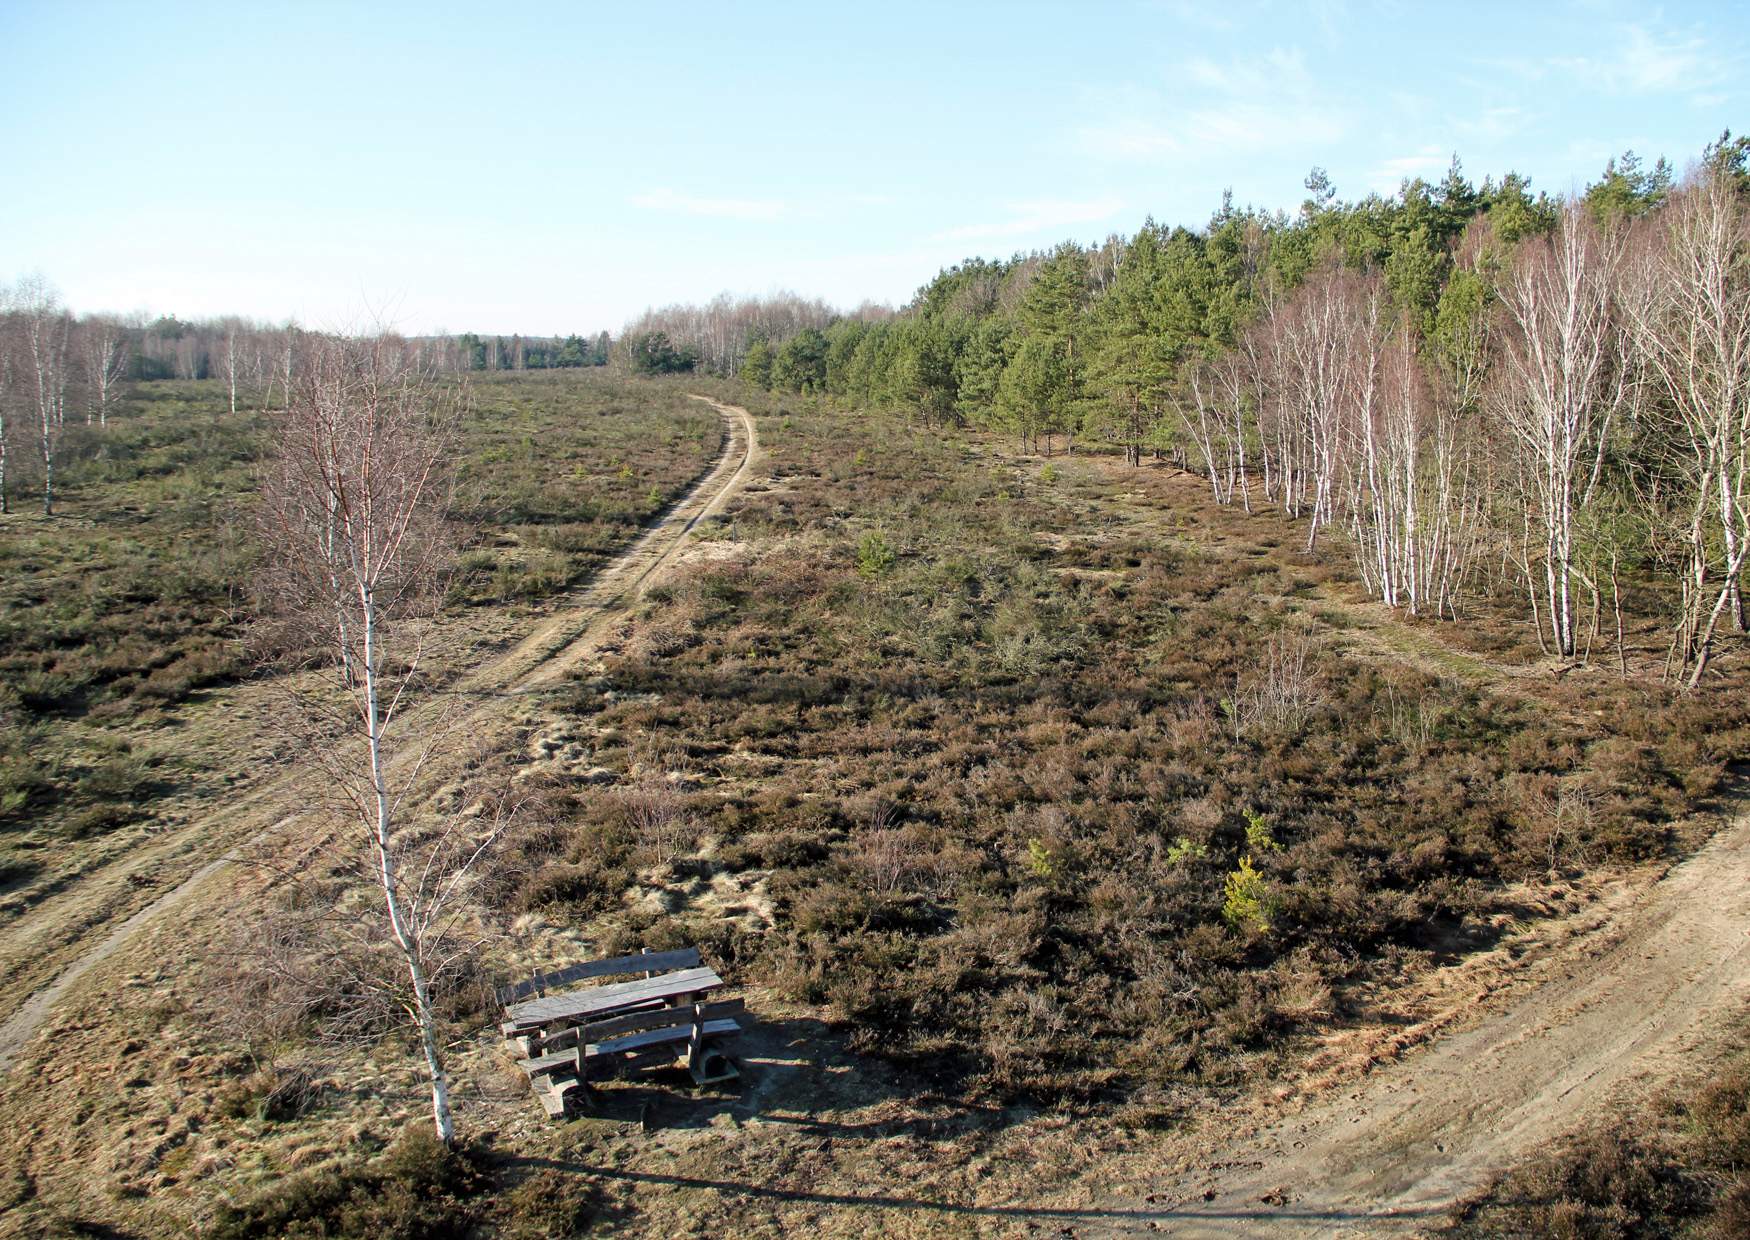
643 962
595 1000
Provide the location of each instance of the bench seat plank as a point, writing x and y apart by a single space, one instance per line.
543 1065
632 1022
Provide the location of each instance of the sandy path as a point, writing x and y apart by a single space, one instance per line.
1391 1155
76 926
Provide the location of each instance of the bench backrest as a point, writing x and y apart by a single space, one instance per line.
683 1016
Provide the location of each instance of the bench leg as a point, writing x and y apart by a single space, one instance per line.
706 1063
696 1043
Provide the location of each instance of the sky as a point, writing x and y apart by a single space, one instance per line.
556 168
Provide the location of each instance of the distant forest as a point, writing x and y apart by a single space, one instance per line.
171 348
1479 385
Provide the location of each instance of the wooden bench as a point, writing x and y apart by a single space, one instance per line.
568 1040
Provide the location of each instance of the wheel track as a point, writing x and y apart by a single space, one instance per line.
534 664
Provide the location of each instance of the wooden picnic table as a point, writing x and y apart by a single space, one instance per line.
569 1040
594 1002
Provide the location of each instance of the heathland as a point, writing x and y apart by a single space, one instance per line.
1039 807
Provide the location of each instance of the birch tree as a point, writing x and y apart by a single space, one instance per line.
7 324
1688 300
1307 374
1211 408
104 358
1564 379
1416 503
45 326
354 501
232 363
287 352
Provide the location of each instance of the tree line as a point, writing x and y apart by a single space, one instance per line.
1476 385
245 352
718 337
51 366
53 361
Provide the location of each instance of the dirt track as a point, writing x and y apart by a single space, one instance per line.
1390 1156
75 931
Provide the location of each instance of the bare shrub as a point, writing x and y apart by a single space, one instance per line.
656 810
274 1094
886 855
1560 814
1283 693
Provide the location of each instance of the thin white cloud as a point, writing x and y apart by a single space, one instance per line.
1655 63
1637 59
1429 163
1200 132
1491 125
1272 72
1040 217
714 208
1332 17
1198 16
1270 102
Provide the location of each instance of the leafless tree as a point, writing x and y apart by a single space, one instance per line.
287 350
104 357
189 357
45 327
1298 356
720 329
1378 445
1413 500
1564 379
1213 410
1687 291
353 519
7 332
232 363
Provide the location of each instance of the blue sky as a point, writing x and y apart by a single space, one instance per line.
557 168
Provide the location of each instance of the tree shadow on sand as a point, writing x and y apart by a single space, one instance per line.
798 1076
